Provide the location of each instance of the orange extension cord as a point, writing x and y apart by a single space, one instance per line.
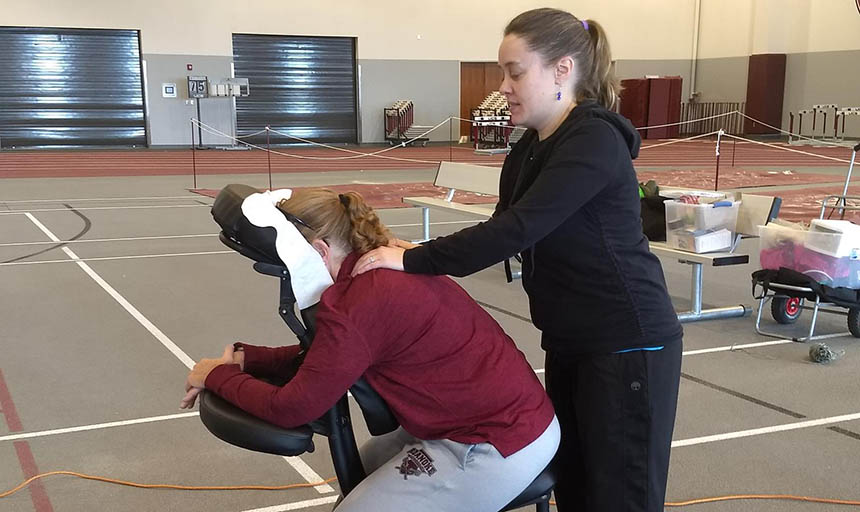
167 486
298 486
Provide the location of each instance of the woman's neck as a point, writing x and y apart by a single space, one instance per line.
556 121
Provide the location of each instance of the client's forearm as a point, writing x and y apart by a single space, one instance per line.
269 362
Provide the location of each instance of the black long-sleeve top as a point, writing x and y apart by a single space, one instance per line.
570 205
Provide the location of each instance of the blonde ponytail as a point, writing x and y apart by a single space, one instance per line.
368 232
601 83
345 220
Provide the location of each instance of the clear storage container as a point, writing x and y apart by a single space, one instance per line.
800 250
701 227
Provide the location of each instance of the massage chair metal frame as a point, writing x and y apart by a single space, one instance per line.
231 424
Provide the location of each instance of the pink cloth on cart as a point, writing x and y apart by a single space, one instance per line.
825 269
781 255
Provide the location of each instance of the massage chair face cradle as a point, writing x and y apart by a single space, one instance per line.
239 428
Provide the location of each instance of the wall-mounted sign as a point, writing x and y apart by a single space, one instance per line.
197 87
168 90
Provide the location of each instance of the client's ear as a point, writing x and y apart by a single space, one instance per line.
323 249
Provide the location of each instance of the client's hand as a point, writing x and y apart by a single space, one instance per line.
197 378
190 398
381 257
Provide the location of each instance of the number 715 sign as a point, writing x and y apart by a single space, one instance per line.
198 87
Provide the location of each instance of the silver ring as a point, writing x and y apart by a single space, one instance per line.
372 259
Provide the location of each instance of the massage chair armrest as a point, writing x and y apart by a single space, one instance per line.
235 426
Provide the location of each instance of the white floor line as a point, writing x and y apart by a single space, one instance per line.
726 348
151 207
123 239
190 196
149 326
112 258
729 348
538 371
300 468
309 474
432 223
298 505
202 235
765 430
97 426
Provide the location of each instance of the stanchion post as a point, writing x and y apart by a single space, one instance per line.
790 125
717 175
269 155
193 155
451 138
734 145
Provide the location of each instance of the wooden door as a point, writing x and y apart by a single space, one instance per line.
765 91
471 91
493 76
477 80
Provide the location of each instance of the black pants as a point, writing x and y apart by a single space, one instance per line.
617 413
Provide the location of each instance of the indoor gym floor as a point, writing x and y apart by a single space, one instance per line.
74 357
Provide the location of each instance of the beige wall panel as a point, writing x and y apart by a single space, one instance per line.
735 28
448 29
724 29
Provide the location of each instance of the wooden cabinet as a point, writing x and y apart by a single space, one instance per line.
652 102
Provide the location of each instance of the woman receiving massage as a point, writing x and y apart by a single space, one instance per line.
476 424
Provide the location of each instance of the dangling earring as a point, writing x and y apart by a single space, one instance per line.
558 96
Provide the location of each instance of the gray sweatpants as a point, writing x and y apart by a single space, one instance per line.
406 473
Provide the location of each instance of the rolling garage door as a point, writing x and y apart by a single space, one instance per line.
70 87
304 86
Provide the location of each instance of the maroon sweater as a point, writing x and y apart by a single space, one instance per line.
446 369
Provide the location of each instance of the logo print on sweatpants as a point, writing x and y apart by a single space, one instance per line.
416 462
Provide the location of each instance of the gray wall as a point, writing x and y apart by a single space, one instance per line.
822 78
168 118
723 79
432 85
639 68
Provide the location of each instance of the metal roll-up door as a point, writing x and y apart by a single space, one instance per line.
70 87
303 86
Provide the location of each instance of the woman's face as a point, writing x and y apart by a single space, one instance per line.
529 85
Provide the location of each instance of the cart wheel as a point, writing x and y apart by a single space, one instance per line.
424 144
854 322
786 310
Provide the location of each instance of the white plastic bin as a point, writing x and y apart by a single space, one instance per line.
701 227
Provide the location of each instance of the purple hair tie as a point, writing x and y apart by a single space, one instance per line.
585 25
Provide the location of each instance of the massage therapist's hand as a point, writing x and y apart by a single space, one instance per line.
197 378
381 257
403 244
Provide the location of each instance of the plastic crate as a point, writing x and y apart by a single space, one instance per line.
701 227
800 250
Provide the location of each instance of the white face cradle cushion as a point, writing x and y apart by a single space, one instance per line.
308 274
